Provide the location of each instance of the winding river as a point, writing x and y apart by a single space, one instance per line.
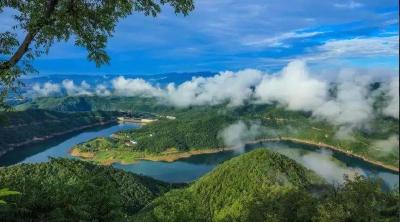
330 165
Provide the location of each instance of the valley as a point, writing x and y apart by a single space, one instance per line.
169 157
254 181
199 111
198 129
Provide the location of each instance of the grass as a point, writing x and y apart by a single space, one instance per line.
127 156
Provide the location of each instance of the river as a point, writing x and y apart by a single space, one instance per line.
330 165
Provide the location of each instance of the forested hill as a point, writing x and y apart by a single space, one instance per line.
23 127
96 103
73 190
257 186
266 186
200 128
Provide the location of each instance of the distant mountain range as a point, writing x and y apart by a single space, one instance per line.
161 79
93 80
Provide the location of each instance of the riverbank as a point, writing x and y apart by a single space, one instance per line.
108 157
12 147
330 147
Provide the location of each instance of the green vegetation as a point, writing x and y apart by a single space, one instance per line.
6 192
23 127
96 103
194 129
72 190
199 128
266 186
257 186
46 22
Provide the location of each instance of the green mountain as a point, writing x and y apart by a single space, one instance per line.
231 190
199 128
257 186
24 127
95 103
266 186
72 190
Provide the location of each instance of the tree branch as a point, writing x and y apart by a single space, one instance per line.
23 48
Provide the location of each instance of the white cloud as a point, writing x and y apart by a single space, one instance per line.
387 146
230 87
320 161
392 109
326 166
134 87
352 106
349 5
76 90
356 47
102 90
237 134
293 88
279 40
48 89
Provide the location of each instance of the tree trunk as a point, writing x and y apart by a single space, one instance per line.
23 48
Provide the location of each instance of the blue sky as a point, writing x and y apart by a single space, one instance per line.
232 35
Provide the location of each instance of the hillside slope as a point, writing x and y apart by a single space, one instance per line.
200 128
72 190
266 186
24 127
229 191
95 103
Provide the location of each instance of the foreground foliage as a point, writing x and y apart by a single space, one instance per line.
72 190
266 186
6 192
89 23
257 186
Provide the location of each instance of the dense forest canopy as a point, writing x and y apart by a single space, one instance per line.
257 186
345 118
202 127
72 190
26 127
266 186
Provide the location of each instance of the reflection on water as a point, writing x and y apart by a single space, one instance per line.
58 147
178 171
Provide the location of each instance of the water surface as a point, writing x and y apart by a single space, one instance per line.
330 165
60 146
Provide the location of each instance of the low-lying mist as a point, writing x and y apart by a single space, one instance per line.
347 101
237 134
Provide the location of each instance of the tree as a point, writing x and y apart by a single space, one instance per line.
91 22
359 199
5 192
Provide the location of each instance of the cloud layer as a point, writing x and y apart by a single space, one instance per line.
234 88
294 88
237 134
392 89
347 101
